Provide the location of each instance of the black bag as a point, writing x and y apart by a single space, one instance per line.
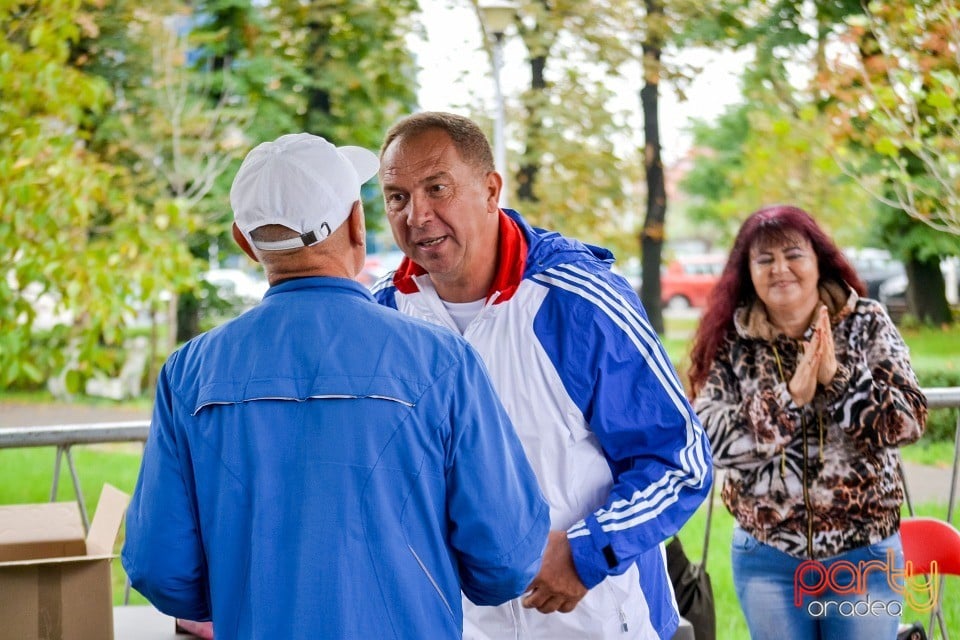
691 585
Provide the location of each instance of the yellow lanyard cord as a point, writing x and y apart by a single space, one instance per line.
820 424
776 356
783 451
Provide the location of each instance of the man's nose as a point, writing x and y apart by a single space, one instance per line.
419 211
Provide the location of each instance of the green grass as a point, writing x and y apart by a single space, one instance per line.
934 453
934 348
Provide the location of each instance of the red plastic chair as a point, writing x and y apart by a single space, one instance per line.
929 539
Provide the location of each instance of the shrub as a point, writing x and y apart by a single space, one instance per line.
941 423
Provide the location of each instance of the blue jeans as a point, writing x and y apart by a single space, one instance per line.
827 603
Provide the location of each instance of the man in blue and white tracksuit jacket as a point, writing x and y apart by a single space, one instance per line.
619 453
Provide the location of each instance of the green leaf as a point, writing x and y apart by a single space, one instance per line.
939 100
886 146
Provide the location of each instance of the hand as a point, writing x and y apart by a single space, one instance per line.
198 629
557 587
803 384
828 357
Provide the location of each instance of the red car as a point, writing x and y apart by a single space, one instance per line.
687 281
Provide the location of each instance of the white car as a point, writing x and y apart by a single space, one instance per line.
237 284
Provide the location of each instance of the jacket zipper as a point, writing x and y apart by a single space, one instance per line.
806 488
805 479
624 628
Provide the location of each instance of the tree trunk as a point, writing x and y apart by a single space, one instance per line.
527 175
652 235
926 292
188 317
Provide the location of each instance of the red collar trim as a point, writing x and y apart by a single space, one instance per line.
512 263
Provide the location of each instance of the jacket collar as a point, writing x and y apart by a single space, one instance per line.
751 321
330 283
511 264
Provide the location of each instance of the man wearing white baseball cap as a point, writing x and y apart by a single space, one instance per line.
299 183
318 466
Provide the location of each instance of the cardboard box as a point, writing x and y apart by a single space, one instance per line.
54 582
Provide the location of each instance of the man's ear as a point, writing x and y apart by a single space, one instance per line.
243 244
358 227
493 185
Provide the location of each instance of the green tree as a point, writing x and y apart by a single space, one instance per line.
895 108
339 70
569 172
583 152
791 32
183 124
900 84
71 230
238 74
755 154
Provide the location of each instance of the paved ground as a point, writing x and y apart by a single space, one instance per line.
17 414
926 484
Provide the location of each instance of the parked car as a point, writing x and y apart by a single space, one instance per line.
237 286
687 280
892 293
378 265
874 266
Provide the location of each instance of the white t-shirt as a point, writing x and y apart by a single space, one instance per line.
463 313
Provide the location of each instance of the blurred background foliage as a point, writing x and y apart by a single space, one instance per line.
122 123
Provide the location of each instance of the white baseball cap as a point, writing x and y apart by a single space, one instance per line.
302 182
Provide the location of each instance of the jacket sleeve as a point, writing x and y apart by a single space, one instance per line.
616 370
162 554
746 429
875 395
499 518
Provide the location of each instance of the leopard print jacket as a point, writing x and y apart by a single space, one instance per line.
823 479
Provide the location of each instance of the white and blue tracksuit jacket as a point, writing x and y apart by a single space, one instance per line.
619 453
323 467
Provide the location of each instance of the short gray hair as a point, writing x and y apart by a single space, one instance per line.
467 137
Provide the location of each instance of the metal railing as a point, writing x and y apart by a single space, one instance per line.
946 398
65 436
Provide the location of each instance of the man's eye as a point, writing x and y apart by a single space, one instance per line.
438 188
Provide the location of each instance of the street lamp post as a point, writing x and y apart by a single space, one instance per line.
496 17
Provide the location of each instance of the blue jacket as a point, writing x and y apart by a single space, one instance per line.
619 453
323 467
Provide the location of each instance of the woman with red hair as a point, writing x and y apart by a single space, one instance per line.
806 391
